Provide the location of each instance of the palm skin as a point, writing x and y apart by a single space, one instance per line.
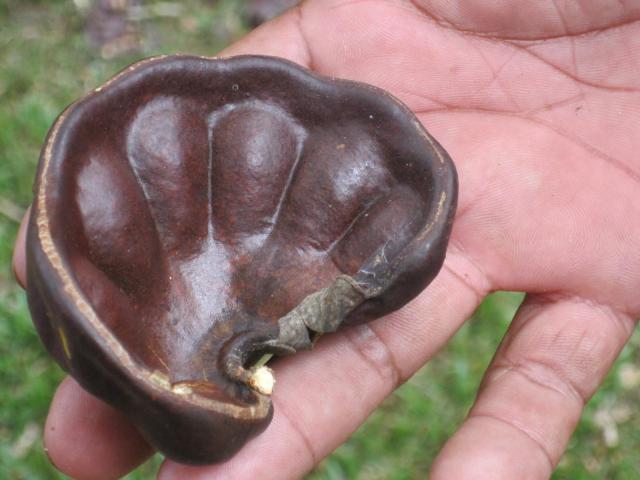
538 104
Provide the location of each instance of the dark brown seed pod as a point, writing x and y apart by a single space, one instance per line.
193 214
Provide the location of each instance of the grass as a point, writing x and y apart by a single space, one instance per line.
46 64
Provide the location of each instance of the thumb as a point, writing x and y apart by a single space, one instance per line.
281 37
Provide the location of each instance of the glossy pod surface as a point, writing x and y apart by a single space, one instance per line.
192 214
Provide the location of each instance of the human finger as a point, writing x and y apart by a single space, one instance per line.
551 361
281 37
88 439
18 263
322 396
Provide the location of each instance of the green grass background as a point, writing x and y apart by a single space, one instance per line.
45 63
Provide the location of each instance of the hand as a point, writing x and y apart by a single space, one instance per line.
539 106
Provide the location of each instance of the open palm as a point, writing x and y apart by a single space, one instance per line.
538 104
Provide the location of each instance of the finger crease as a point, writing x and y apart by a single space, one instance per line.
519 428
376 353
546 377
306 441
482 285
477 293
303 36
